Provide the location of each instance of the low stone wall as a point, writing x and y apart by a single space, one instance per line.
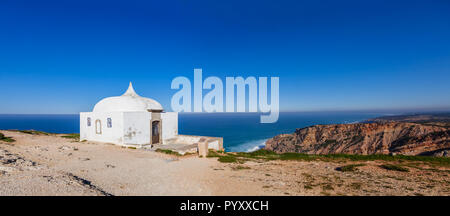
206 143
203 143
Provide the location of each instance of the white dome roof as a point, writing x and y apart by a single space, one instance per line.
128 102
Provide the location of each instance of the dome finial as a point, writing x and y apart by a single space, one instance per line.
130 91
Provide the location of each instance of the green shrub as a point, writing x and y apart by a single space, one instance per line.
32 132
263 154
72 136
212 153
394 167
349 168
228 159
168 151
5 138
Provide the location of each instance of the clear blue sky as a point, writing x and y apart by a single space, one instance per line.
64 56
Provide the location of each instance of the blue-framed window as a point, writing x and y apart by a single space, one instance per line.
109 123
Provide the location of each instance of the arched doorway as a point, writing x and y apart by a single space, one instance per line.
156 126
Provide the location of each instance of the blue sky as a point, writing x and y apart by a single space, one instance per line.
64 56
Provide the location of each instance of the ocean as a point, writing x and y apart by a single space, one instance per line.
241 132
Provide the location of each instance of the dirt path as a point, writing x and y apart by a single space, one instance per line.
65 167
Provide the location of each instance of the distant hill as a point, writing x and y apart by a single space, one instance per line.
422 134
438 119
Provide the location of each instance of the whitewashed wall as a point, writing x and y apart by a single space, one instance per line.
108 135
169 125
128 128
136 130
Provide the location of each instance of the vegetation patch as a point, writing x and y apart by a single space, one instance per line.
5 138
349 168
74 136
212 153
228 159
263 154
222 156
168 151
308 187
32 132
394 167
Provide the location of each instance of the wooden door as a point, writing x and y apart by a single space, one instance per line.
155 132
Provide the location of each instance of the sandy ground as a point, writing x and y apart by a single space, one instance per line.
52 165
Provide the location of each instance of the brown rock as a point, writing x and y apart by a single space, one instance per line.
364 138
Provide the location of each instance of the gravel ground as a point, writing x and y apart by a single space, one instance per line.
53 165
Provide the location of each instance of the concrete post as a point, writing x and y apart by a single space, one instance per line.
202 149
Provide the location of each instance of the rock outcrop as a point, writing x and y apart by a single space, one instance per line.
365 138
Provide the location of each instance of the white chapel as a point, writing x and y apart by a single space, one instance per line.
129 120
135 121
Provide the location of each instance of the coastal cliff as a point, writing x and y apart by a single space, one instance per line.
377 137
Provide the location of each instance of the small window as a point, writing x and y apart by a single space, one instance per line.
88 122
109 123
98 126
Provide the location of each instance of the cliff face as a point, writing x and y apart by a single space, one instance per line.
365 138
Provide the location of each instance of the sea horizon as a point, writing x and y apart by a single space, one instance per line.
242 132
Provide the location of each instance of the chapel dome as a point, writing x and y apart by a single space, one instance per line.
128 102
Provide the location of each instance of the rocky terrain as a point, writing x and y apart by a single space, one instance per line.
409 135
